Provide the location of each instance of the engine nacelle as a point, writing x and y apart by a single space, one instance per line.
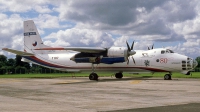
117 52
114 55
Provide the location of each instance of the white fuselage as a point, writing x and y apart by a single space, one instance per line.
145 61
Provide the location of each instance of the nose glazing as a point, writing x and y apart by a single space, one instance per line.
191 64
194 64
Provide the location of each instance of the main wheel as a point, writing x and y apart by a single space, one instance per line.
93 76
119 75
167 77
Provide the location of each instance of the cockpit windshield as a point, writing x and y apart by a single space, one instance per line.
167 51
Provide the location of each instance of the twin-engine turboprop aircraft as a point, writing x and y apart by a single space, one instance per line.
115 59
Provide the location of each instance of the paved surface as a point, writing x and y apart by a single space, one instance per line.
107 94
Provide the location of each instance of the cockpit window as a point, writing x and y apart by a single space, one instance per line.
171 51
167 51
162 52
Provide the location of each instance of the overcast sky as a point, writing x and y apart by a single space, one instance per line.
173 24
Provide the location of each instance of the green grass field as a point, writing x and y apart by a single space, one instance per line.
57 75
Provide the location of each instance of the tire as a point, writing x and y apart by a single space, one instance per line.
167 77
93 76
119 75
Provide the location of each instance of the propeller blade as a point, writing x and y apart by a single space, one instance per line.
129 49
130 52
132 45
152 46
133 60
127 61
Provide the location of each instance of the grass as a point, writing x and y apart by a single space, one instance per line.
102 74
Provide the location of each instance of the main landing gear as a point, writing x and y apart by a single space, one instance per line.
119 75
94 76
168 76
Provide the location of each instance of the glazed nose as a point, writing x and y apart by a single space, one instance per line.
194 64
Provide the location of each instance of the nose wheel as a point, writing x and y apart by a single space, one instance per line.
167 77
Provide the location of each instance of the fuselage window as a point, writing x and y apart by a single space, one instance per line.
162 52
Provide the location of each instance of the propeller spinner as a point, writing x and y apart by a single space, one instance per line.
130 52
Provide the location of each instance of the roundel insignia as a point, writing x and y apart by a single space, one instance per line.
34 44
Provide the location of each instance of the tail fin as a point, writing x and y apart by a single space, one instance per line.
32 39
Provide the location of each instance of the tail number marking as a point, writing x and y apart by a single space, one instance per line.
54 58
29 33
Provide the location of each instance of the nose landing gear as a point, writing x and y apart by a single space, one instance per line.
168 77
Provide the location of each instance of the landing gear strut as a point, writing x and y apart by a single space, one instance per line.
167 77
93 75
119 75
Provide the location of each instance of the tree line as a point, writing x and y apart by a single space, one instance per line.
197 69
16 66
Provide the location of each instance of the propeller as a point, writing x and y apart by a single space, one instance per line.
151 47
130 52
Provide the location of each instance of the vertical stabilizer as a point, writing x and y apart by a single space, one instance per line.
32 39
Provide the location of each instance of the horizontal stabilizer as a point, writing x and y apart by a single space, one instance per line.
21 53
79 49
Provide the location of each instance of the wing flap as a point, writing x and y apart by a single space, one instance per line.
79 49
18 52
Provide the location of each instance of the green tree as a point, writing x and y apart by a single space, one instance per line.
198 61
11 62
18 60
35 68
3 60
26 65
20 63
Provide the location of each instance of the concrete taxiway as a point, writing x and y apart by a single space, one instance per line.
107 94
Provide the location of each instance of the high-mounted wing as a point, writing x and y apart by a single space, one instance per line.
79 49
21 53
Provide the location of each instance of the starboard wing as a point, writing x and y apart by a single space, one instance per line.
79 49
